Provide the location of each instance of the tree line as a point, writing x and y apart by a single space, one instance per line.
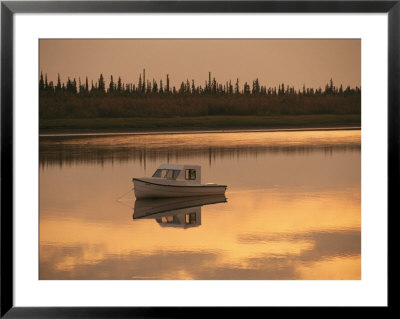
151 98
212 87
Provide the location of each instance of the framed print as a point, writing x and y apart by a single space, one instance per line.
164 155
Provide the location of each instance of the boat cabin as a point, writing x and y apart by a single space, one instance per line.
188 173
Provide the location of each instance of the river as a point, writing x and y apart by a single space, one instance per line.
292 208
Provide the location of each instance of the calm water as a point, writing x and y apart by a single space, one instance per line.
292 208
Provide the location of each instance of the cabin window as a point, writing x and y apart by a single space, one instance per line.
157 173
167 219
167 173
190 174
190 218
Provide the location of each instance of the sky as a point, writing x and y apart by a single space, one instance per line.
294 62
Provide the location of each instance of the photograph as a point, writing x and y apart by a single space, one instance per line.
199 159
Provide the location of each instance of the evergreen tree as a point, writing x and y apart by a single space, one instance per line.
41 82
58 87
74 89
69 85
167 87
148 89
144 81
119 87
155 86
140 83
101 85
111 87
45 82
81 89
187 87
182 88
237 86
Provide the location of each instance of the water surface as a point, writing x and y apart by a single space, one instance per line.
292 208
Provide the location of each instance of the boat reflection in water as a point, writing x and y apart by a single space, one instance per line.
181 212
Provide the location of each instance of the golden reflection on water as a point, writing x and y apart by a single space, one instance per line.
287 216
144 149
210 139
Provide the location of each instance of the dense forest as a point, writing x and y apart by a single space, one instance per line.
151 98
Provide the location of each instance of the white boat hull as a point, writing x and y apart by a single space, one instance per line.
145 189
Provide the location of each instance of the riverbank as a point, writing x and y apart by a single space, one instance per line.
198 124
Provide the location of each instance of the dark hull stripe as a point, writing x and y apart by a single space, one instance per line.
194 186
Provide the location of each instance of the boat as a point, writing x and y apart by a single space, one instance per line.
171 180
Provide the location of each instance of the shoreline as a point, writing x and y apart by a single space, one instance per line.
193 130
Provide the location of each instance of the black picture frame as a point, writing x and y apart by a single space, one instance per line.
9 8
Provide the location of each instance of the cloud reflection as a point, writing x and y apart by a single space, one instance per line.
210 265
